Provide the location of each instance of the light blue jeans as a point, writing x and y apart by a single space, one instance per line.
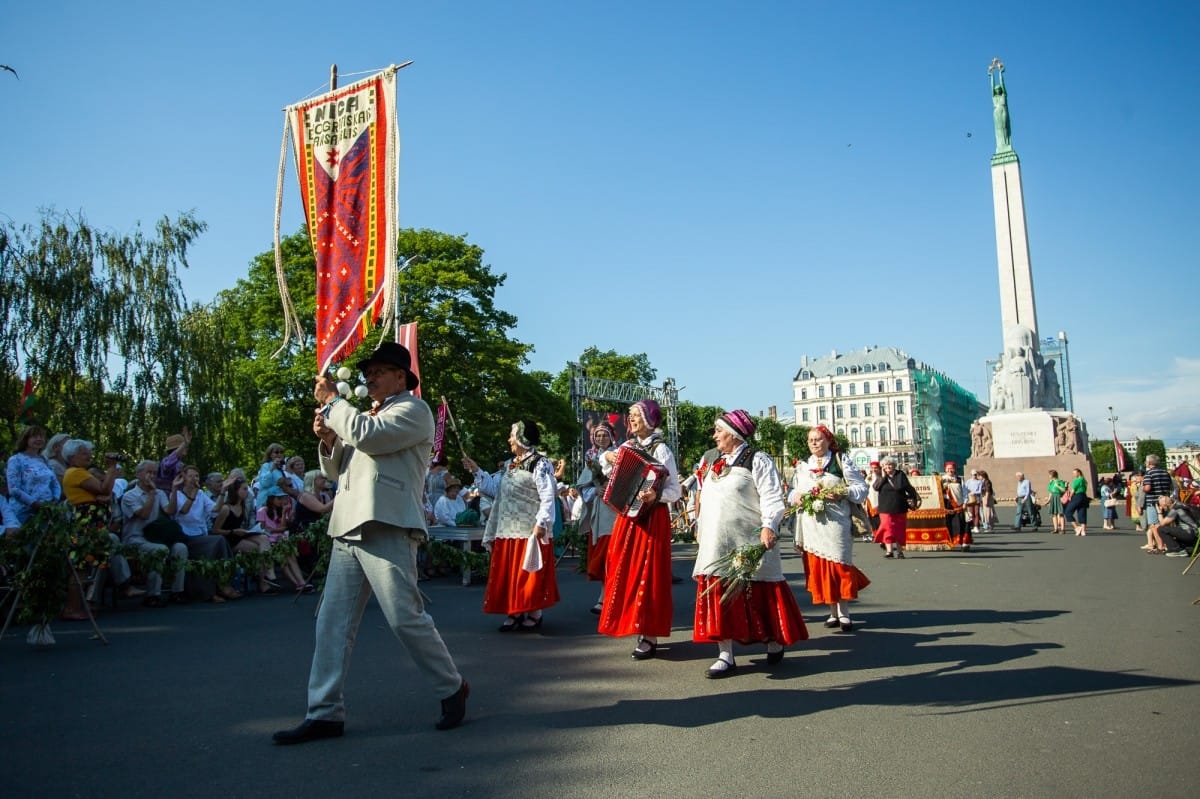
383 561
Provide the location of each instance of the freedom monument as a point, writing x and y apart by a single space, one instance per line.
1027 428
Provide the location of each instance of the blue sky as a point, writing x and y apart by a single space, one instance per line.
723 186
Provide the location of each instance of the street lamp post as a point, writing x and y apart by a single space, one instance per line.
1116 458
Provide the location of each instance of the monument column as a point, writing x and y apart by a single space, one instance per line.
1012 243
1027 428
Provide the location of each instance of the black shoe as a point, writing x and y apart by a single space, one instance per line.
596 608
714 673
310 730
644 654
845 623
889 555
510 624
676 580
832 622
454 708
156 601
774 658
900 554
529 624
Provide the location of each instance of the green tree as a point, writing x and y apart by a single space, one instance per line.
796 438
769 436
95 317
695 432
1150 446
1104 456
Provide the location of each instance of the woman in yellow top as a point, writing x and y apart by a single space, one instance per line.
92 497
1055 490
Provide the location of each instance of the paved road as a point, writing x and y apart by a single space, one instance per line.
1037 666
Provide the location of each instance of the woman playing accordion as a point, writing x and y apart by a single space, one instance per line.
637 581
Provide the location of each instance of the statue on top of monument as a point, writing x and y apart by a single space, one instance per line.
1000 106
1021 369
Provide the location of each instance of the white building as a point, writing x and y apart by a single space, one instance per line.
880 397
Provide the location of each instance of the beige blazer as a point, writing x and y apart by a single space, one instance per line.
379 464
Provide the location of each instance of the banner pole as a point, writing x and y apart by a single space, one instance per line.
454 426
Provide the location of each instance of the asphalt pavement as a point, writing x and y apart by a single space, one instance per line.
1033 666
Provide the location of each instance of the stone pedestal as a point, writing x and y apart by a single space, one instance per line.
1031 442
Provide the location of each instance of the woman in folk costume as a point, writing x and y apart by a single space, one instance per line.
598 516
894 491
637 572
742 505
524 508
824 533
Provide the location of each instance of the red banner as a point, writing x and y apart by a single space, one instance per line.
345 145
406 335
1120 454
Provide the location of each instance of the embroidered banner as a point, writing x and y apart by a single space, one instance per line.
439 434
345 145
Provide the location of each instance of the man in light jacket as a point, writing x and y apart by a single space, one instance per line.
378 459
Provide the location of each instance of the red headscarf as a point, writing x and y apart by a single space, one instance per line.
828 435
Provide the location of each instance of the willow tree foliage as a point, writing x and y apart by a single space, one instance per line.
93 316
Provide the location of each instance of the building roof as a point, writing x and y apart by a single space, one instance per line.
865 360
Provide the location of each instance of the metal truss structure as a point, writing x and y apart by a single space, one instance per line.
595 388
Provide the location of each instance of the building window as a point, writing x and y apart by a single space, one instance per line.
841 431
804 414
841 370
880 387
840 411
821 413
853 389
899 384
866 409
900 432
853 435
853 411
867 435
821 391
883 409
803 393
899 407
837 390
866 386
882 433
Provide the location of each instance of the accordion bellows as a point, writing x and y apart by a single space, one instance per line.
632 472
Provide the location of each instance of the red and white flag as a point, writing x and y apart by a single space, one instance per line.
1120 454
439 434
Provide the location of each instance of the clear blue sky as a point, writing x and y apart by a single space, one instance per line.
723 186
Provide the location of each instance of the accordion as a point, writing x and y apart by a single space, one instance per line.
632 472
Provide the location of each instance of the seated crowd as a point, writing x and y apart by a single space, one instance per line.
165 514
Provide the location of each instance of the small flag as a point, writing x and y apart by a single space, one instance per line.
1182 470
28 412
407 336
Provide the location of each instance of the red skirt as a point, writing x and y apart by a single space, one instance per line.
510 589
893 529
637 577
830 582
763 612
597 554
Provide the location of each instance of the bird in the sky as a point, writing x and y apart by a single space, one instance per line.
968 134
10 69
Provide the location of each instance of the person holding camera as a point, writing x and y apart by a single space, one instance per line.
146 510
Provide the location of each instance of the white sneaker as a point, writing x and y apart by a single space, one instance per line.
1178 553
974 529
